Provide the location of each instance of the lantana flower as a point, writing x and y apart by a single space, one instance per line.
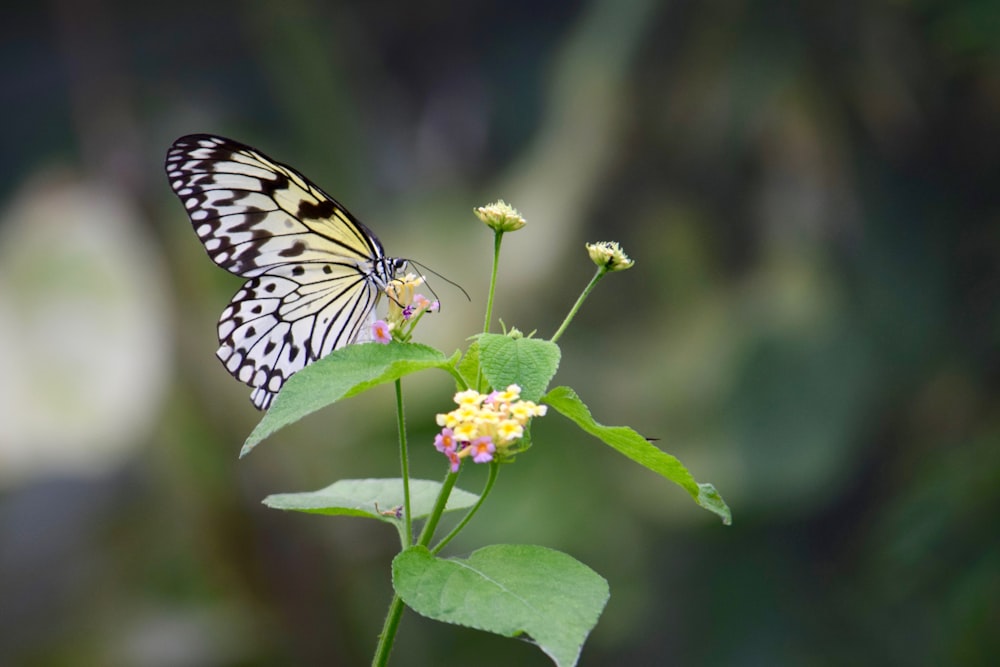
406 305
381 332
420 304
484 427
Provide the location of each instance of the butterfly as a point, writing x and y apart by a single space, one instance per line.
315 271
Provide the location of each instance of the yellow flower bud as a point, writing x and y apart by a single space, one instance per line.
501 216
608 254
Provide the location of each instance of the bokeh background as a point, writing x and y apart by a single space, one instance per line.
809 190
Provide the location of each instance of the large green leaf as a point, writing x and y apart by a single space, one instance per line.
370 498
565 401
341 374
509 590
528 362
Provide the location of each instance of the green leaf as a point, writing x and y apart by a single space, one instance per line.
468 367
528 362
565 401
341 374
509 590
369 498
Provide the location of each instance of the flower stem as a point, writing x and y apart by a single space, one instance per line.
432 521
494 470
387 637
497 237
459 380
601 270
404 464
388 634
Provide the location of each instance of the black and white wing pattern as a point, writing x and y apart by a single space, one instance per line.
315 272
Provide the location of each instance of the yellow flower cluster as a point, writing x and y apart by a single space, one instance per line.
401 292
484 423
406 306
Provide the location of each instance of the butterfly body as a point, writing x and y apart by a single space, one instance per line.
315 273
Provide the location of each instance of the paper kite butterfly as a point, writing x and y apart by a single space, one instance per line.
315 272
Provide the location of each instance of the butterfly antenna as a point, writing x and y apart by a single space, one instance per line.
424 267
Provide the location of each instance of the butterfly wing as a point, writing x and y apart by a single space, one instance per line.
315 271
252 212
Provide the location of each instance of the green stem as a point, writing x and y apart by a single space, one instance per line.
460 381
387 637
388 634
404 464
497 237
494 470
435 516
579 302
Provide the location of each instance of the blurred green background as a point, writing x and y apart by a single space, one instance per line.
810 194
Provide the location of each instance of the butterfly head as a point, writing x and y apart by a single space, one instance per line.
385 270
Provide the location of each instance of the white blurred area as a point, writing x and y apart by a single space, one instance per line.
85 329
